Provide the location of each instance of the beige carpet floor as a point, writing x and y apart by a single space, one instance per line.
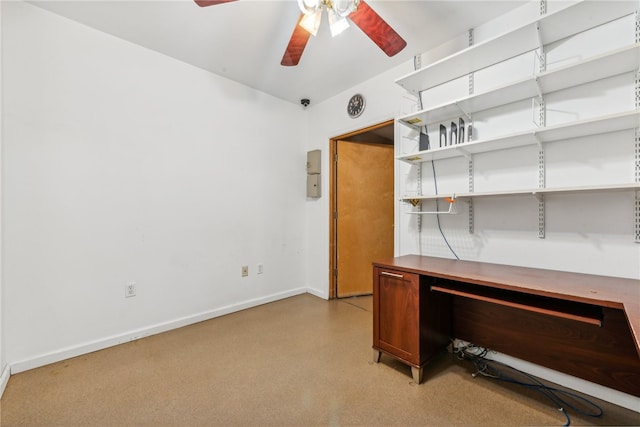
302 361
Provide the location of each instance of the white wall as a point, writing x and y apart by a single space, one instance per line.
4 370
121 165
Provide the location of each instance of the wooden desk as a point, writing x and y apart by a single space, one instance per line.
584 325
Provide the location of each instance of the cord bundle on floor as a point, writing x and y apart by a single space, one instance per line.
490 368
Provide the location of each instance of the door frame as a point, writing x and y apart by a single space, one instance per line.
333 202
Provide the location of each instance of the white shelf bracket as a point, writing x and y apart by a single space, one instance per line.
542 59
539 88
539 35
471 92
538 140
452 208
542 112
410 125
466 114
540 53
465 153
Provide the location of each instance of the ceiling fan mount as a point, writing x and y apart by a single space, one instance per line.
338 11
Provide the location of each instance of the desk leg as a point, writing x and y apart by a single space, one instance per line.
376 355
416 373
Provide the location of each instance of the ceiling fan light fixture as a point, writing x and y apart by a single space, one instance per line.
337 24
310 7
311 21
344 8
357 11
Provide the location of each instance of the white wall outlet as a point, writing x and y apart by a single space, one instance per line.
130 290
245 270
260 268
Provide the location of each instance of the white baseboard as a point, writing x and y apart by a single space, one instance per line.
317 293
100 344
4 378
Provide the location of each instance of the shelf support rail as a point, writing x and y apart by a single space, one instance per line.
637 26
637 143
637 87
637 174
637 203
469 137
419 204
539 196
471 189
471 74
541 169
542 122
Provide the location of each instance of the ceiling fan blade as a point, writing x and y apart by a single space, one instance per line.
377 29
297 43
203 3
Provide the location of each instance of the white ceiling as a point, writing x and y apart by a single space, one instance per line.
245 40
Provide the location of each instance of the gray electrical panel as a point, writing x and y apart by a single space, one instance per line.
313 162
313 173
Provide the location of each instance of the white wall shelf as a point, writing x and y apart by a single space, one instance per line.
580 128
563 23
612 63
535 35
536 192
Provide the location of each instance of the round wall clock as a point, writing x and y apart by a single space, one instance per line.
355 107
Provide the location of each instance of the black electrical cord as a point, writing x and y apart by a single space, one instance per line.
477 356
433 167
435 184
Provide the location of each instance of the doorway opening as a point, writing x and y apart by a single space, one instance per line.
361 229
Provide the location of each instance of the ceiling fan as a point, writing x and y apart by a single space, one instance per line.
359 12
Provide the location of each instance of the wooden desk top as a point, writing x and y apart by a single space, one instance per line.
604 291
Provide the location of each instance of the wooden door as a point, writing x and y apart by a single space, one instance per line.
364 207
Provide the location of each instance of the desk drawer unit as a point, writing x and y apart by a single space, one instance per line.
402 306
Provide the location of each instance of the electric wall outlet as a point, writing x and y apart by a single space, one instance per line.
260 268
130 290
245 270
